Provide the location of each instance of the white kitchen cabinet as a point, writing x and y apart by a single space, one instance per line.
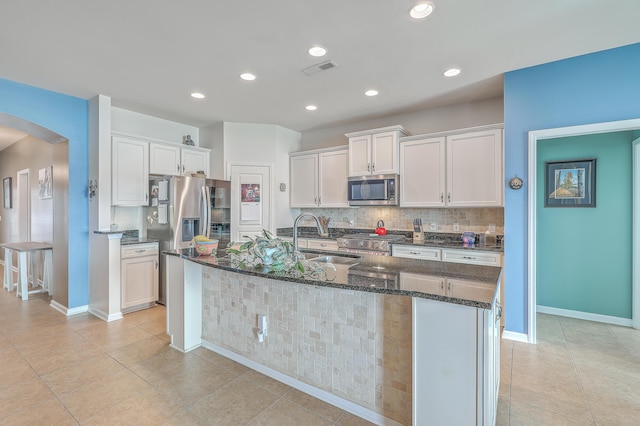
139 276
463 169
194 160
415 252
473 257
129 172
322 244
456 372
319 179
422 173
173 160
374 152
164 159
475 169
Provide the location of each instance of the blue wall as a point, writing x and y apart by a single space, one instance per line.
584 254
67 116
593 88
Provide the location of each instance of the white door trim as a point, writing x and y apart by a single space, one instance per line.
230 164
534 137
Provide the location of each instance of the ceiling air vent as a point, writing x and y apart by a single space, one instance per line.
322 66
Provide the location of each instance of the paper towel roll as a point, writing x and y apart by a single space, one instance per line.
162 214
163 190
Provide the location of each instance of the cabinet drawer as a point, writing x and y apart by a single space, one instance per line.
422 283
137 250
473 257
322 244
413 252
470 290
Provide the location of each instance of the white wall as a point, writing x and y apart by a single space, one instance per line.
451 117
265 143
212 137
134 123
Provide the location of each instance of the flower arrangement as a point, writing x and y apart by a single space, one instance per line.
273 255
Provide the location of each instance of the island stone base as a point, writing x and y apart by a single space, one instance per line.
353 344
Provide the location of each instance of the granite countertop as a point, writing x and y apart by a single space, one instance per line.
432 239
475 285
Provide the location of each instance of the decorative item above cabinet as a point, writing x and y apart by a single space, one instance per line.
375 151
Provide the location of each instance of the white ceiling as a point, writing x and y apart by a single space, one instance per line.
149 55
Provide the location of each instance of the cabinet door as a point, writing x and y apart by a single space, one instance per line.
332 181
422 173
422 283
464 289
384 153
303 178
475 170
473 257
139 280
164 159
360 155
130 172
194 161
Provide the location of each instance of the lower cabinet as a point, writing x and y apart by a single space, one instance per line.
139 276
456 368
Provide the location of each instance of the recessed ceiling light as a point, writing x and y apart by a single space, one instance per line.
371 92
452 72
421 10
247 76
311 107
317 51
197 95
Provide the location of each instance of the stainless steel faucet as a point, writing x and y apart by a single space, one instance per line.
321 231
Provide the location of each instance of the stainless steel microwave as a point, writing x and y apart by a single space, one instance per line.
380 190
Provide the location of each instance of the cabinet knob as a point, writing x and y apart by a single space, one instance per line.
442 197
368 167
319 200
373 167
178 169
449 197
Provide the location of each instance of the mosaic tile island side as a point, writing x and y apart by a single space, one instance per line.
475 285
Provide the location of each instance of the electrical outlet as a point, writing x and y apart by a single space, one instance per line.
433 226
456 226
492 228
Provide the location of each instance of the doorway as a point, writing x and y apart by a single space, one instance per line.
538 135
251 200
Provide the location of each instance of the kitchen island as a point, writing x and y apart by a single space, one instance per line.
395 341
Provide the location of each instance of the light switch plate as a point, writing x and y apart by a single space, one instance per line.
433 226
492 228
456 226
283 187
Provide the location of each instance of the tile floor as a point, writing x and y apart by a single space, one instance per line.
81 370
579 373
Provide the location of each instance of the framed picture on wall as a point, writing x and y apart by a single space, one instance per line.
6 192
45 183
570 183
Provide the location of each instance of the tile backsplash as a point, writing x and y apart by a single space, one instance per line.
470 219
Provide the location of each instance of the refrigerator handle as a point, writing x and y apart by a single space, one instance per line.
206 206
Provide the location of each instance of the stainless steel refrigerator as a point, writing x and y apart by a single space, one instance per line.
182 207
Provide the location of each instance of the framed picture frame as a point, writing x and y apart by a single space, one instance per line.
6 192
570 183
45 183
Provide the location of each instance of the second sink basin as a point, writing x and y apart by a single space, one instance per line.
336 260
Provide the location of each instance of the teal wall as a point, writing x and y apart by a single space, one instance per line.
584 254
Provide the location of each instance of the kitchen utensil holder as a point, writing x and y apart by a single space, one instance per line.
418 237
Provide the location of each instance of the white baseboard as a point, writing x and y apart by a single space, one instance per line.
320 394
626 322
66 311
104 316
518 337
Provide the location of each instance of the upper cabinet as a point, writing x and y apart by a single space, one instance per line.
374 152
319 178
174 160
130 172
462 169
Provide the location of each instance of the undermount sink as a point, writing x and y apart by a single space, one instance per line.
336 260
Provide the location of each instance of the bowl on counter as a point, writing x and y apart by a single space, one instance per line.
207 248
